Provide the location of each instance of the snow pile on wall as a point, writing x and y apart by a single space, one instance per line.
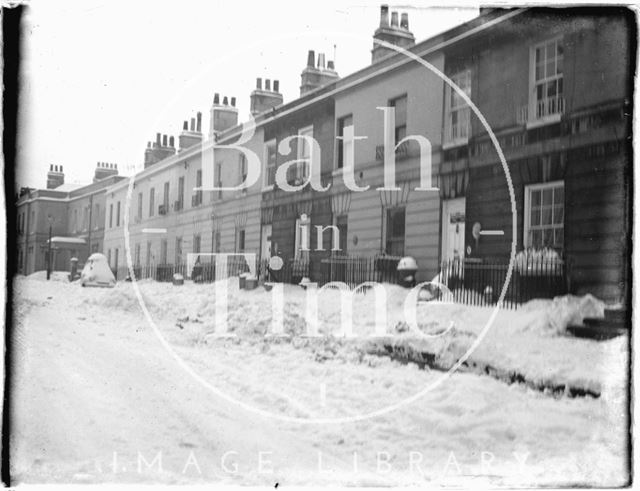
570 310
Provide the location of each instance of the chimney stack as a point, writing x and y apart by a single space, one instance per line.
104 170
161 149
171 144
384 16
224 116
313 77
391 33
191 134
262 100
404 21
55 177
216 98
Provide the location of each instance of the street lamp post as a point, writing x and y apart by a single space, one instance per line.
50 218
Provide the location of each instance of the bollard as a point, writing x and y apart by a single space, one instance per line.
74 269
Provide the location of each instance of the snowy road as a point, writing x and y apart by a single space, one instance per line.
89 406
97 399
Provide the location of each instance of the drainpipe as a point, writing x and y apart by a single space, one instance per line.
90 220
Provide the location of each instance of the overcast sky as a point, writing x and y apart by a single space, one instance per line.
100 78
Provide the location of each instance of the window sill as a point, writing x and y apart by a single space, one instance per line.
536 123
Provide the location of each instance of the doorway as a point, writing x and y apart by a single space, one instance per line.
453 220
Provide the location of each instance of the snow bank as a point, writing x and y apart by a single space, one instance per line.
55 276
523 342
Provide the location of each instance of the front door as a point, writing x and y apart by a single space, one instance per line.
453 211
266 241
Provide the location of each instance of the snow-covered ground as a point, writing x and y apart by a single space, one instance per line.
97 397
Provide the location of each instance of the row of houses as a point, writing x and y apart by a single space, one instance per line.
551 93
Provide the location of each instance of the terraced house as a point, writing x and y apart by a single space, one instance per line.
552 86
171 214
555 88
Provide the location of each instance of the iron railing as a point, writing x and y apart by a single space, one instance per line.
354 270
478 282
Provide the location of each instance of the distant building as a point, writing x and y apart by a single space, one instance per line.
75 214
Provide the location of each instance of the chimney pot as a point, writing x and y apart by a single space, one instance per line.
384 15
311 58
158 138
60 168
321 60
171 144
164 140
267 84
216 98
276 86
193 124
56 168
225 101
185 125
233 102
404 20
198 122
330 65
394 19
117 164
259 83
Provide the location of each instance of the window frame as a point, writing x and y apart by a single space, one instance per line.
303 169
265 178
340 146
180 200
152 201
463 109
533 120
140 198
387 239
393 103
526 231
